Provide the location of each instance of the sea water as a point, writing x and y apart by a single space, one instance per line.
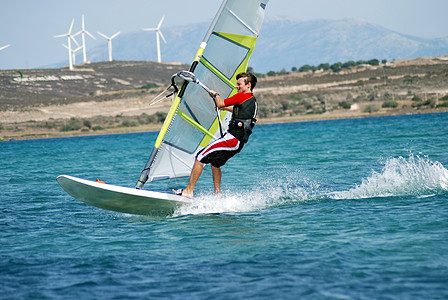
345 209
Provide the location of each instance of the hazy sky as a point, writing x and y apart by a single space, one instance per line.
29 25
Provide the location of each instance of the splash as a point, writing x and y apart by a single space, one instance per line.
274 192
415 176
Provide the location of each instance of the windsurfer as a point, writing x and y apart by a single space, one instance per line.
244 108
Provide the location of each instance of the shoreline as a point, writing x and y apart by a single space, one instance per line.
34 135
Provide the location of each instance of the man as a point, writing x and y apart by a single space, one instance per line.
244 107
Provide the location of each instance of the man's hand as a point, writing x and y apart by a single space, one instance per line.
213 94
218 99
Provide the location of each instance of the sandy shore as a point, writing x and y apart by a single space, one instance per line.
129 107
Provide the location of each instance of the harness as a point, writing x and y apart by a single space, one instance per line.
243 119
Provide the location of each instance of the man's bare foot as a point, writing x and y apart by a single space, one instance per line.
181 192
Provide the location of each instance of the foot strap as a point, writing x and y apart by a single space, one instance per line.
178 192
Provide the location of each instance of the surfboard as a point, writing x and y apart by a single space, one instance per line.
120 198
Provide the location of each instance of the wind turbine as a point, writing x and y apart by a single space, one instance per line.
69 47
158 36
4 47
83 32
73 52
109 42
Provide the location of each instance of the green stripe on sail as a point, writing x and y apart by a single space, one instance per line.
217 72
194 123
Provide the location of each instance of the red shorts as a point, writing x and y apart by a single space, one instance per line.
218 152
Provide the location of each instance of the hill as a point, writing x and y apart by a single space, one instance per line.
114 97
62 86
284 43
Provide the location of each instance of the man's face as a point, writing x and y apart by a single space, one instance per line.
242 87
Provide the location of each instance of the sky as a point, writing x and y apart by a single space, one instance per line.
29 25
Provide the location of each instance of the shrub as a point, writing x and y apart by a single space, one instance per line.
149 86
349 64
336 67
345 104
371 108
146 119
282 72
263 111
49 125
160 116
129 123
429 102
87 124
324 67
73 125
305 68
374 62
390 104
445 104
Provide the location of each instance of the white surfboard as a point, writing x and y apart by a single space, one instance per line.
119 198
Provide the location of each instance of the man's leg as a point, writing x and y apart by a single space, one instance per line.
196 172
216 172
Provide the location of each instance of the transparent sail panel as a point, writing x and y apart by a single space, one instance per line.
198 105
211 80
183 135
225 61
242 17
170 163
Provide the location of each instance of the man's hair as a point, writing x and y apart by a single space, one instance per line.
248 77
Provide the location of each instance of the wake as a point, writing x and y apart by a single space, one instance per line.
413 176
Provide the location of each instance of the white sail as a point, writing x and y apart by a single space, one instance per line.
192 122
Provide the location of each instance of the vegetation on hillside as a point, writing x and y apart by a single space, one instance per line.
335 67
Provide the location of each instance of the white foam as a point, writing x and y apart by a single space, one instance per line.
416 175
274 192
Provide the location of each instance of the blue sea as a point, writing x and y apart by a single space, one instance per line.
344 209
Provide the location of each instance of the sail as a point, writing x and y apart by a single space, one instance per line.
192 121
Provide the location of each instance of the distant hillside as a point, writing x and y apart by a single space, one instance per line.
283 43
114 96
99 81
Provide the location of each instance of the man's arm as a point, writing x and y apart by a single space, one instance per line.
218 99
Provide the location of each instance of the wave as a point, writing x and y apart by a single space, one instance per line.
414 176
